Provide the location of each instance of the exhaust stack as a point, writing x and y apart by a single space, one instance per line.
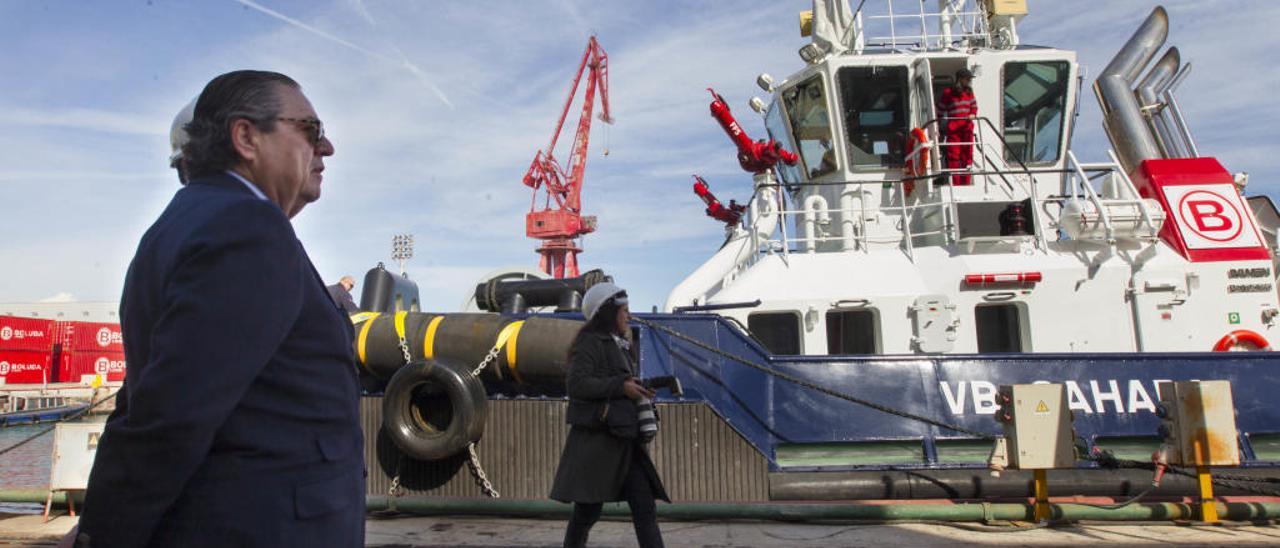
1122 116
1149 93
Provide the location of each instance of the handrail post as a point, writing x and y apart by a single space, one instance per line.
1142 204
782 222
862 217
906 224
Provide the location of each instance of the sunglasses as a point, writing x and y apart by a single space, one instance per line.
313 127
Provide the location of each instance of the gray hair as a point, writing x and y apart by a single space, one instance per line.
248 94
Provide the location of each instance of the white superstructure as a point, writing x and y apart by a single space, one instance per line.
849 253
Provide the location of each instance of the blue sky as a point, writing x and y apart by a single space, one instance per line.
436 109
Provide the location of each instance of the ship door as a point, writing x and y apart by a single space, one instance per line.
922 102
1159 320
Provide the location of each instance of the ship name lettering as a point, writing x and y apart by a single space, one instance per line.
1249 288
1086 396
1236 273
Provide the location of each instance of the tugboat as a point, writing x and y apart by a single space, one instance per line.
871 244
901 257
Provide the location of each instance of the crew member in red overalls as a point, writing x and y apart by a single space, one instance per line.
958 108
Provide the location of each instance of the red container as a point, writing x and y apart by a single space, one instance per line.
25 366
75 364
90 336
26 333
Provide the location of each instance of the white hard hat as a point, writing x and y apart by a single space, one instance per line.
599 294
178 132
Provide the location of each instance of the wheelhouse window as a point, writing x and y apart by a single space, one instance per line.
779 332
811 125
1035 98
777 128
1000 327
851 332
874 110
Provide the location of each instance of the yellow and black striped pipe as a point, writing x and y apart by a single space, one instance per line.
530 351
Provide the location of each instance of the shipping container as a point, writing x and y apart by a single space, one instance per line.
25 366
89 336
26 333
74 365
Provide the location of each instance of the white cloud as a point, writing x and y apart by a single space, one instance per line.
91 159
63 297
85 119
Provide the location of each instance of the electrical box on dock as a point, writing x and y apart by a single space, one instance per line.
1037 426
1198 423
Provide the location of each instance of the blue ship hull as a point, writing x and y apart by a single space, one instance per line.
40 415
1112 395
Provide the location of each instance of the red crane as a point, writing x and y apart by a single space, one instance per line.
559 224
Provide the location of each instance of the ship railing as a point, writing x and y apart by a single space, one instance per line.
1078 185
988 170
909 24
816 232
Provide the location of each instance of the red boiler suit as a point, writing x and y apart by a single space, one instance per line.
956 108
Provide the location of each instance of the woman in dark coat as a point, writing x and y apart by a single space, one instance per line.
605 459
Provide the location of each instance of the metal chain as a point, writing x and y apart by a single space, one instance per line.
1105 459
395 490
1223 482
1247 479
488 358
404 351
818 388
482 480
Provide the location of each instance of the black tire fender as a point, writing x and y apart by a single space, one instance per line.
434 409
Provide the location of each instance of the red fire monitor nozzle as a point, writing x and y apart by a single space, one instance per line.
754 156
729 215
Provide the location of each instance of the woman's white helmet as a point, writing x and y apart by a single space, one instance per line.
599 294
178 132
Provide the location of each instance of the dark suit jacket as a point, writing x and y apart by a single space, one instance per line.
238 423
343 298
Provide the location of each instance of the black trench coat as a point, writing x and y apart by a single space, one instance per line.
594 463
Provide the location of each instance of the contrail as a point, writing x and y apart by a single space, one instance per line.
403 61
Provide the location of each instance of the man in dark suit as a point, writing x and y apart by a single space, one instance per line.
238 423
341 294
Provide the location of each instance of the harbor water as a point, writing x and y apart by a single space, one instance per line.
26 467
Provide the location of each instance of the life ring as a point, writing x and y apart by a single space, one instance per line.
434 409
1234 338
920 164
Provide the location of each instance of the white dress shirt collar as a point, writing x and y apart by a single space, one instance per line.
252 188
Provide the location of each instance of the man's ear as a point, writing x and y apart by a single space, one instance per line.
245 138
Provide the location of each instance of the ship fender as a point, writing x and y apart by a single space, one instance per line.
1244 339
377 343
434 409
533 351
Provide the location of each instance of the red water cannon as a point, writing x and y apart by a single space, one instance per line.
754 156
729 215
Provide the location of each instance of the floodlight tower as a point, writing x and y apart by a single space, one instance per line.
402 249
